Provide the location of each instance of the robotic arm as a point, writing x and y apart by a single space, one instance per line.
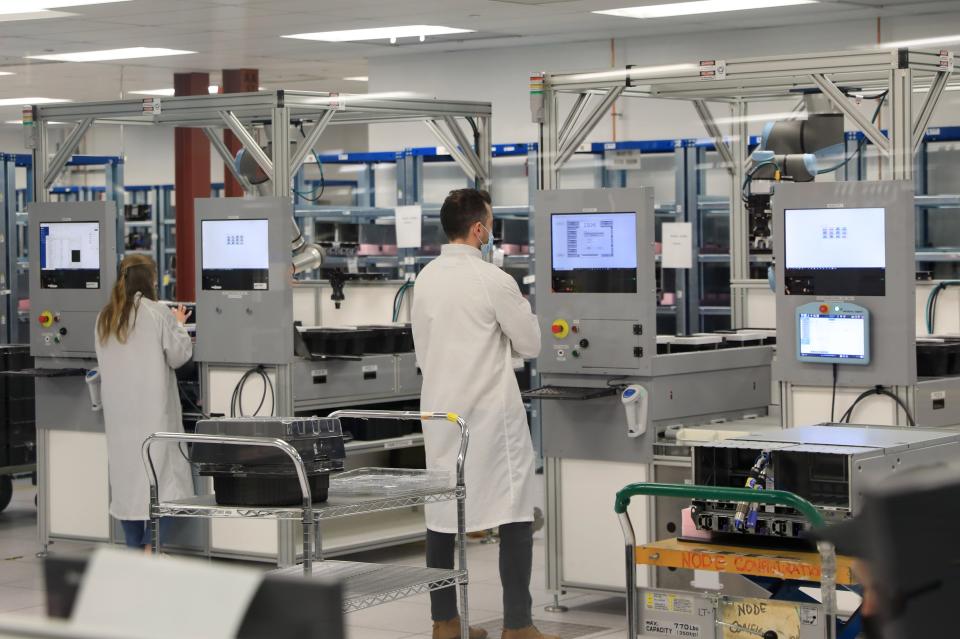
306 256
788 150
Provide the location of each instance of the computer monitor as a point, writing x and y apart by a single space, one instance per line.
70 255
838 251
833 333
235 255
594 252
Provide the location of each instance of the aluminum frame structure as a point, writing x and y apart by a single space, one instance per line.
743 81
276 111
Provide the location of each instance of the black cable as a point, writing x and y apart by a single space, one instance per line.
845 418
877 390
323 180
193 404
237 397
900 402
833 395
273 394
263 395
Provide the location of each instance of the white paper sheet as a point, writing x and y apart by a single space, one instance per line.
677 245
155 598
409 220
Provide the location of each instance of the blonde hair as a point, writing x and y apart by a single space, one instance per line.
138 274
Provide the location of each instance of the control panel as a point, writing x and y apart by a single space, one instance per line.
833 333
596 290
244 310
73 266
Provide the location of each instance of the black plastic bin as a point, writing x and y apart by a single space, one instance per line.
265 490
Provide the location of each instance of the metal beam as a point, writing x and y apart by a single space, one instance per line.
484 126
929 104
873 133
466 148
714 132
280 140
577 135
66 150
248 142
583 100
451 147
309 142
901 125
228 161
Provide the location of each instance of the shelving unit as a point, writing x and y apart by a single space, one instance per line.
365 585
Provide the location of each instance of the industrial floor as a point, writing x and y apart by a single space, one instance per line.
589 616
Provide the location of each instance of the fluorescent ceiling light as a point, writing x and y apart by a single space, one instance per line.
29 101
34 6
922 42
379 33
6 73
357 78
674 9
110 54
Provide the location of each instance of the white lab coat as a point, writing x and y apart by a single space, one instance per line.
469 321
139 394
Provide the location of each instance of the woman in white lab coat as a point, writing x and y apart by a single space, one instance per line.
139 344
469 322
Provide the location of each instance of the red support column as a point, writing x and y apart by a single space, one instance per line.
236 81
192 180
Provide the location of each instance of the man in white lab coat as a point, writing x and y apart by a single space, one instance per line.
469 322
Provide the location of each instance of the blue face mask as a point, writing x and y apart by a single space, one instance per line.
486 248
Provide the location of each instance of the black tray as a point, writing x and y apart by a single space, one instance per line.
46 372
567 392
268 491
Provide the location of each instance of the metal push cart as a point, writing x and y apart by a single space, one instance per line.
365 585
658 553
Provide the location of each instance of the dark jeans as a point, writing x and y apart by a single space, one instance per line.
516 562
137 533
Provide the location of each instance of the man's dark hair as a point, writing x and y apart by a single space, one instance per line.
462 209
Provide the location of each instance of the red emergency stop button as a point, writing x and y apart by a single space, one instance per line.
46 319
824 308
560 328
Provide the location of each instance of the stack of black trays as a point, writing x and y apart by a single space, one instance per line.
265 476
355 341
938 356
18 433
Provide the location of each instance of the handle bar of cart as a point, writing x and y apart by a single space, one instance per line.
828 557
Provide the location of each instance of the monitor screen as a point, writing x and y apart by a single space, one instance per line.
70 255
835 251
594 252
833 338
235 255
